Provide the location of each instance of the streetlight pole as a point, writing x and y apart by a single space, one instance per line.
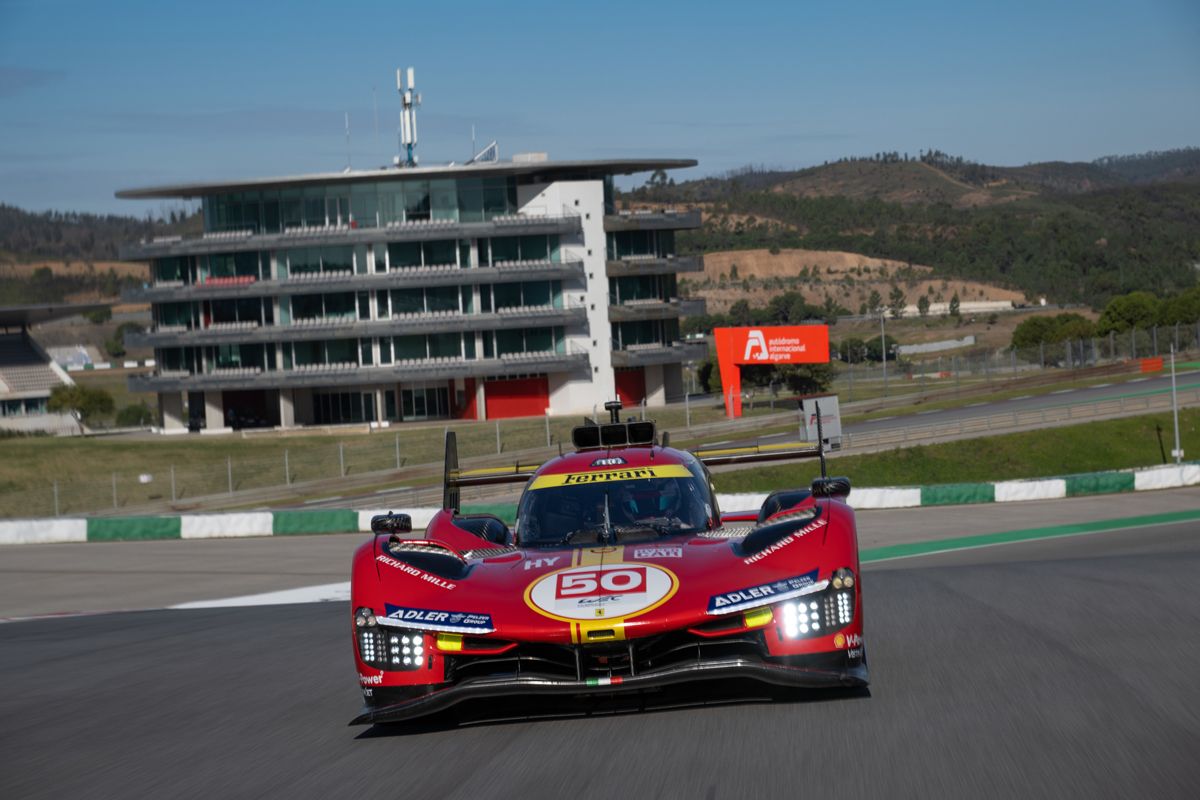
1178 451
883 352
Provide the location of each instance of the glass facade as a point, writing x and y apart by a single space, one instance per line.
362 204
641 287
644 244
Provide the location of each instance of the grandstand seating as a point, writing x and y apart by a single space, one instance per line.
22 368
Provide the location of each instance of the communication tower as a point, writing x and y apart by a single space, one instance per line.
409 100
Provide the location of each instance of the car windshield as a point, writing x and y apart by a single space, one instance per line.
564 512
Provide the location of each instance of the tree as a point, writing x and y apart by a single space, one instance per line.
83 403
740 313
135 416
1037 331
1183 308
853 350
99 316
1133 310
874 353
709 376
799 378
954 305
923 303
896 302
806 378
874 302
1033 332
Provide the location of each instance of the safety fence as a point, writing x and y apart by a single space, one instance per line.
291 523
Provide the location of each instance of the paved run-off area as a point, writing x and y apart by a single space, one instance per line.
1061 667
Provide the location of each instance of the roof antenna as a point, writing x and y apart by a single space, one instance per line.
820 438
409 101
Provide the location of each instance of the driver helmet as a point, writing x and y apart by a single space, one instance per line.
657 498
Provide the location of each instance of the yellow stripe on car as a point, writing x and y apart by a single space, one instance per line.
605 476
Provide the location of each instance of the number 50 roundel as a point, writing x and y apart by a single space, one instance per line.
611 591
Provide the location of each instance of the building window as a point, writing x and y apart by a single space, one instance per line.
425 402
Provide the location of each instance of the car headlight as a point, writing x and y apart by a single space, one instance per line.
387 649
820 614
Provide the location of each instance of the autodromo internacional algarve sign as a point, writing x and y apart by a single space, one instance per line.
784 344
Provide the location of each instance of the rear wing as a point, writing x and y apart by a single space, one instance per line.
759 452
768 452
453 478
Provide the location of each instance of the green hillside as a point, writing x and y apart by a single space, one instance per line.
1070 232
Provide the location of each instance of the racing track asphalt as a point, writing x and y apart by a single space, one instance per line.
1138 387
1061 667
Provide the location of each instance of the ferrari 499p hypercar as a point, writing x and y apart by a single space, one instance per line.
622 576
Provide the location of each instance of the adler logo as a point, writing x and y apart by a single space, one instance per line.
756 347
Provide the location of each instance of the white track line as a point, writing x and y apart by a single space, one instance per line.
325 593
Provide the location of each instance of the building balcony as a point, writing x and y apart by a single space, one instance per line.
350 374
648 308
667 219
315 329
314 236
652 265
640 355
329 282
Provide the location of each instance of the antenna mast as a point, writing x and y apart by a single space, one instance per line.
409 101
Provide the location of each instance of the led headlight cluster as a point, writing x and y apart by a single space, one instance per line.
825 613
406 650
385 649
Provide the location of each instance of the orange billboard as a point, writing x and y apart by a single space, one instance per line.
766 346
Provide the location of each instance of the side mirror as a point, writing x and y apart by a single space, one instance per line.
391 523
831 487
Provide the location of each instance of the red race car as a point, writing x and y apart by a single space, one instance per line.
622 576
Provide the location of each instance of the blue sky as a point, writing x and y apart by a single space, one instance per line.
97 96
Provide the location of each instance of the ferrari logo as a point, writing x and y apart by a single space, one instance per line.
599 612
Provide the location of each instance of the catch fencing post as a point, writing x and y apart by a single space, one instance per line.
114 482
56 498
397 451
687 409
172 483
547 427
229 469
1154 338
497 437
287 470
1042 355
1133 343
342 457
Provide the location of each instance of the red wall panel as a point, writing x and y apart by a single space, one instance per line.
631 386
520 397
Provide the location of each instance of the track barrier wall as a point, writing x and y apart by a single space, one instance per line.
322 521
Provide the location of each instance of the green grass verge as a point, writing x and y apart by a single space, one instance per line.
1091 447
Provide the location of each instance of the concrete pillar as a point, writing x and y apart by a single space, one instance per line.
480 400
287 409
656 394
214 413
302 407
673 388
170 412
